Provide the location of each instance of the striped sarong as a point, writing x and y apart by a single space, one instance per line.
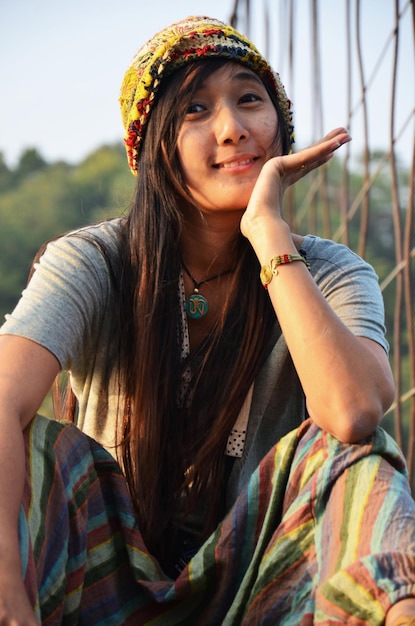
324 533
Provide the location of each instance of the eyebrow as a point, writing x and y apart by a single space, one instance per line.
240 76
251 76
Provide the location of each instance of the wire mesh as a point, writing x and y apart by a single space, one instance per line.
351 63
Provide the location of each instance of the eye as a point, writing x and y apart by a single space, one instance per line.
250 97
195 107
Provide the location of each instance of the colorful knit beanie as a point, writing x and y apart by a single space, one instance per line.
189 40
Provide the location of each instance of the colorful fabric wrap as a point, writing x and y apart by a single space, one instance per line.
323 534
192 39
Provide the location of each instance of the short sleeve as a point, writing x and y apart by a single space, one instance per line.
66 299
350 285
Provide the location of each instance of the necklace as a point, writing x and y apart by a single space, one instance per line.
197 305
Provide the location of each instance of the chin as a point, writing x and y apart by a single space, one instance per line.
231 208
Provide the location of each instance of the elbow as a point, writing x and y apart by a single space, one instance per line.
355 426
355 420
354 407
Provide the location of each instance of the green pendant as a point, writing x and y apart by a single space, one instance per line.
196 306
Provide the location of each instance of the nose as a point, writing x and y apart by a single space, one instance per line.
230 128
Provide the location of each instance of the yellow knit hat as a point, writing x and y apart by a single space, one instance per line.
189 40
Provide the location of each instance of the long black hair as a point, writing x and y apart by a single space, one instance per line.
173 450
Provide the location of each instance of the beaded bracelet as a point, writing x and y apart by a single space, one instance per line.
268 271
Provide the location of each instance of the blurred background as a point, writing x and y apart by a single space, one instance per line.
344 63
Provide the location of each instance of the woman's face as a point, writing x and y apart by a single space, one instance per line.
229 132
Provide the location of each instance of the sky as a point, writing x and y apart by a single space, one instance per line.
62 62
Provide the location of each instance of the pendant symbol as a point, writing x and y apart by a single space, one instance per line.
196 306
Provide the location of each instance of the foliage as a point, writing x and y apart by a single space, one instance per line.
39 201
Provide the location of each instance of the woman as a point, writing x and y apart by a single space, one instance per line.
190 372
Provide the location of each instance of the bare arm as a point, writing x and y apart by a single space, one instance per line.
26 373
346 379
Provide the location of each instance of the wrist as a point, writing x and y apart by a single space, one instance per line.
269 271
270 239
256 224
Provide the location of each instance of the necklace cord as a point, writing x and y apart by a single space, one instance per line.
197 284
197 305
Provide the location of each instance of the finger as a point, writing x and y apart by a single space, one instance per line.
309 166
294 166
299 164
320 153
334 134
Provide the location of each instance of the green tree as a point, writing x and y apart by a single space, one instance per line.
30 163
7 177
50 199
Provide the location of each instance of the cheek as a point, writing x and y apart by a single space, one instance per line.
190 153
270 135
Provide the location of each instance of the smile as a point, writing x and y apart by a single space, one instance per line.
236 163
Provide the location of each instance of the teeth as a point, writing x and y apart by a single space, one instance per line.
236 163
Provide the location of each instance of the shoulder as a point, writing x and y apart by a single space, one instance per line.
329 260
77 271
71 293
90 250
341 274
104 236
319 251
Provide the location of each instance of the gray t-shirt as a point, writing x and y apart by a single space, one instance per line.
65 309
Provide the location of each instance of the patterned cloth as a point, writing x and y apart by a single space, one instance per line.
323 534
